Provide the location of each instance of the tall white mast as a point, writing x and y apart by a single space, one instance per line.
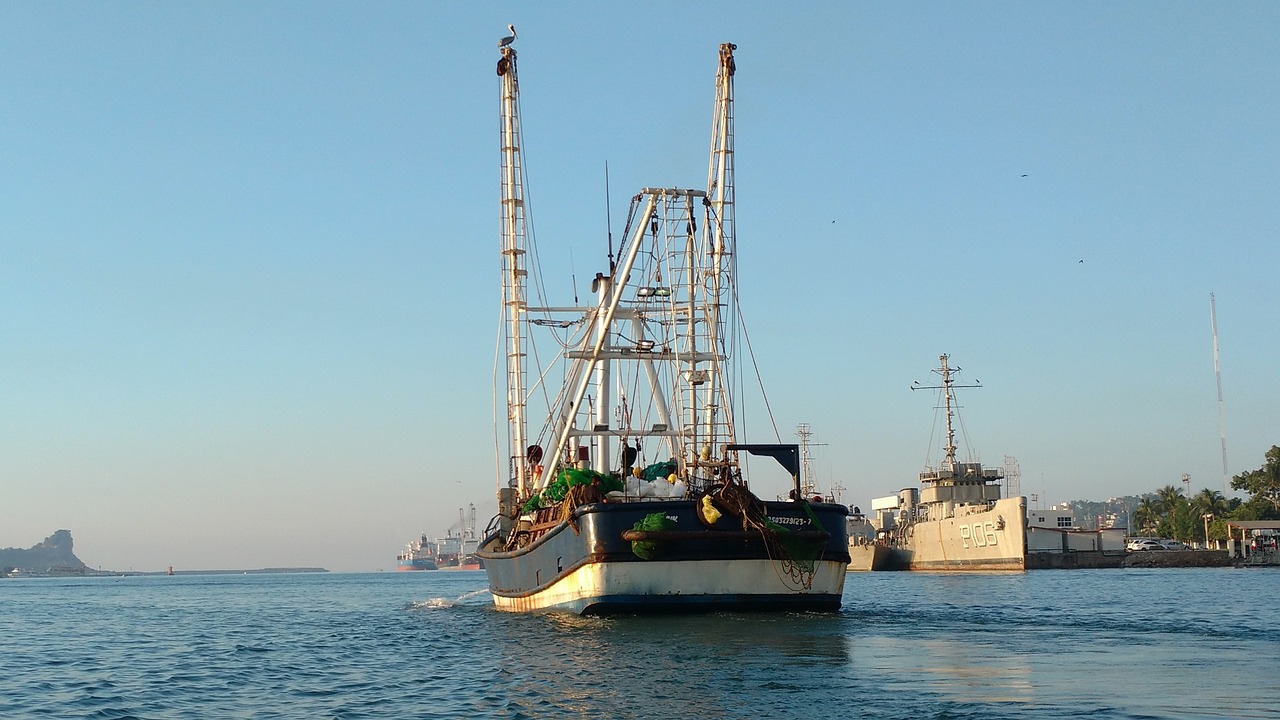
604 395
720 230
514 271
1222 415
720 169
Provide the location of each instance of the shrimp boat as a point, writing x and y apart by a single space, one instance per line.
633 495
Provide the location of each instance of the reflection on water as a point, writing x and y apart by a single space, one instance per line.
593 665
1102 644
1107 643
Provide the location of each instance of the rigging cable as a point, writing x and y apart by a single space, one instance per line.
499 343
933 433
754 366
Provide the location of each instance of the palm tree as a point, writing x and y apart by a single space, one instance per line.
1211 506
1167 501
1209 502
1146 514
1168 498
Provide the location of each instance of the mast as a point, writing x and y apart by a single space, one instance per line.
669 284
808 487
719 234
514 271
1222 414
720 169
948 387
593 351
951 434
604 396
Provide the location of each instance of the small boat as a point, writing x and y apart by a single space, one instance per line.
633 496
956 519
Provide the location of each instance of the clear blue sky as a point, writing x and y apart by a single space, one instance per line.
248 251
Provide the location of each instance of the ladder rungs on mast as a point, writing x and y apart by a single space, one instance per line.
625 353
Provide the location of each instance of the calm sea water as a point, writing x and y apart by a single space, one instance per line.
1193 643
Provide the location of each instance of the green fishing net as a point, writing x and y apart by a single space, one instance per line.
555 492
802 552
648 549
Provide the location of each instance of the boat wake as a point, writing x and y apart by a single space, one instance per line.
439 602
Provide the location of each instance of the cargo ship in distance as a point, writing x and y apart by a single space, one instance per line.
419 554
455 551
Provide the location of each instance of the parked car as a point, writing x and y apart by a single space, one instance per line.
1172 545
1140 544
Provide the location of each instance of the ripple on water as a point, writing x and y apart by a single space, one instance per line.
905 645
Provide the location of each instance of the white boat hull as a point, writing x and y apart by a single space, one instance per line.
681 584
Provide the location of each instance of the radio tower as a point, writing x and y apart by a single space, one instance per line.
1012 477
1222 415
808 486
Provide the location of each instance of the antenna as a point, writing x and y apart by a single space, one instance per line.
573 276
1013 476
807 485
948 387
1222 415
608 219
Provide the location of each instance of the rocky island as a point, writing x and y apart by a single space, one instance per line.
54 557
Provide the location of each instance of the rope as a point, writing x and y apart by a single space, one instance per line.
577 496
738 500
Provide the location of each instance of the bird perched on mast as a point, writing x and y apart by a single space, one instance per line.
508 39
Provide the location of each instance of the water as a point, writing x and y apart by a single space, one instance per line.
1160 643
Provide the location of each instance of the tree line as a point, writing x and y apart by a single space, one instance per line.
1168 513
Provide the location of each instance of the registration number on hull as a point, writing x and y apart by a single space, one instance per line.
979 534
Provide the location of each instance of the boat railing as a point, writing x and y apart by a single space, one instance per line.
943 474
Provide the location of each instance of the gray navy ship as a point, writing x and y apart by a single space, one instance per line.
955 520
